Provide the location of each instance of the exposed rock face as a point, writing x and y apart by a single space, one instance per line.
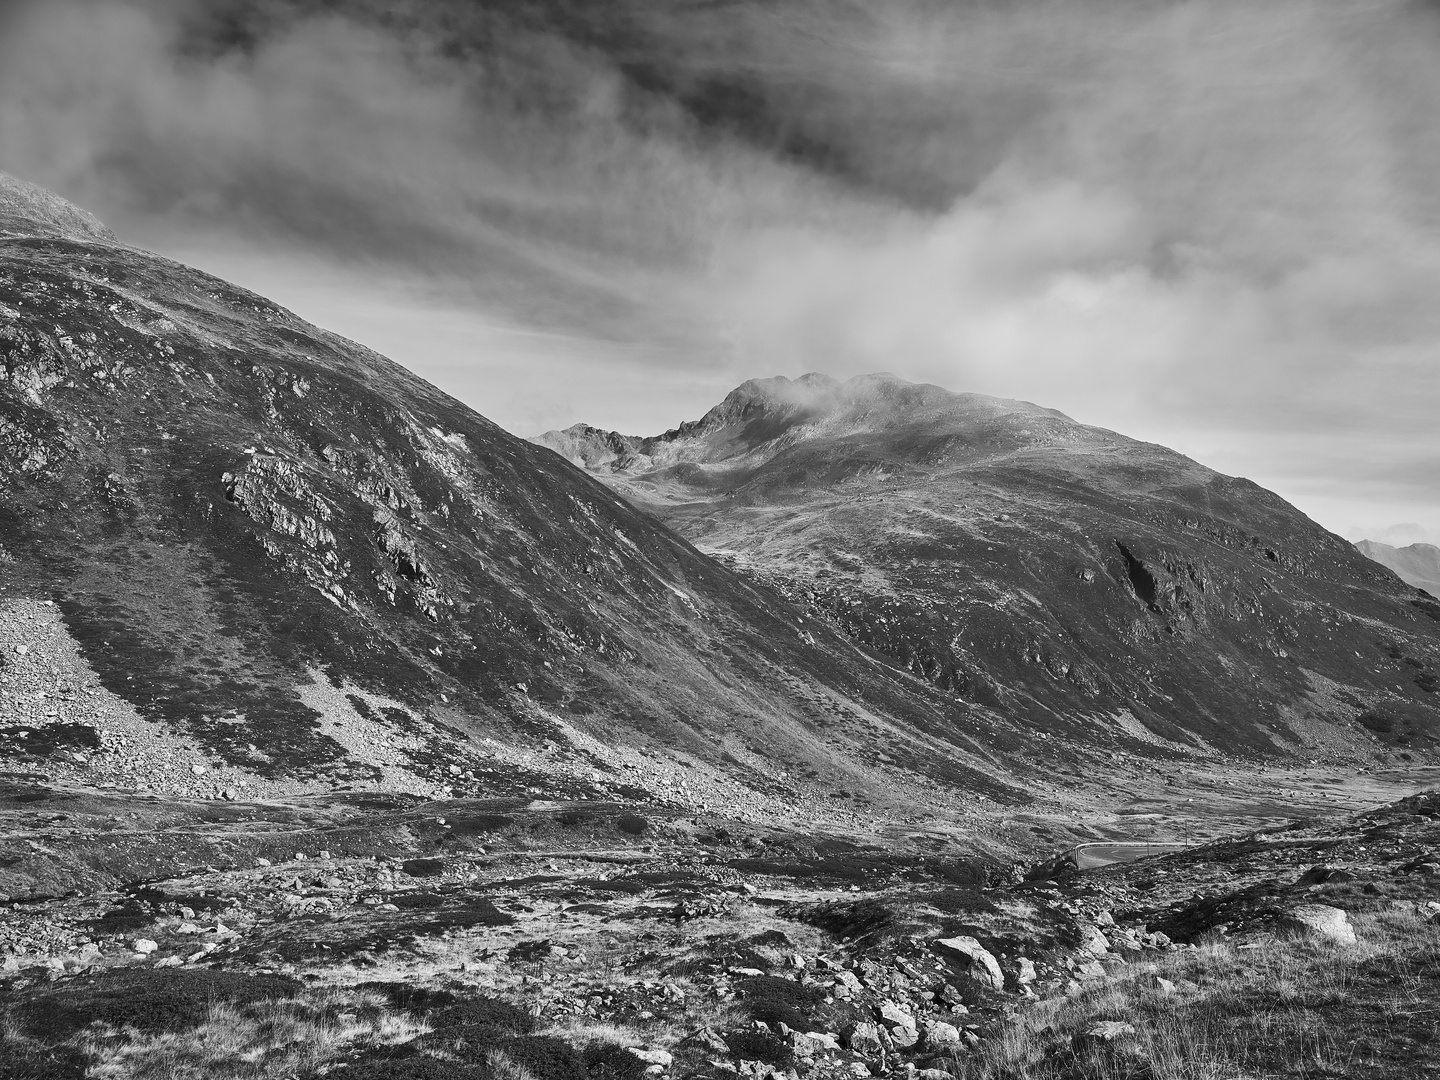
1106 591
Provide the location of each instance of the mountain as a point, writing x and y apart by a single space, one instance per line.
289 562
1103 591
1415 564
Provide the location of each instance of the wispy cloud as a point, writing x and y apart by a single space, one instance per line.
1212 225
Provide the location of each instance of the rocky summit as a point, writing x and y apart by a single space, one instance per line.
1099 590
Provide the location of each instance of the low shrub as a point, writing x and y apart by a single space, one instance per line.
149 1001
633 824
759 1046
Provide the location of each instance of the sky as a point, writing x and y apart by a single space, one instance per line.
1212 225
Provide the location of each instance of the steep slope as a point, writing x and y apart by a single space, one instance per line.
28 210
280 546
1100 588
1415 564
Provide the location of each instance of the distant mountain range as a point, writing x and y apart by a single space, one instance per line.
1415 564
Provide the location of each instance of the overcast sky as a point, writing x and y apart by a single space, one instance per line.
1214 225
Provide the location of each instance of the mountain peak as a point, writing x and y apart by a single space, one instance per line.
1414 564
27 209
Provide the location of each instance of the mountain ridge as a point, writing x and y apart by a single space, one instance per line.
1018 558
1415 564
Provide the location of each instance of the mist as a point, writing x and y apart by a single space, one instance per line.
1208 225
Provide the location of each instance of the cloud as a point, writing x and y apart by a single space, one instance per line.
1212 225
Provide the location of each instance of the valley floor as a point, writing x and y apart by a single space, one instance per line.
366 936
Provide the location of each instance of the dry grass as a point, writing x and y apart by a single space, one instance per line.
1286 1008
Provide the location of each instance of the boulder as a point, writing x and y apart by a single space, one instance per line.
1321 920
903 1037
863 1039
663 1058
974 959
893 1014
940 1036
1092 940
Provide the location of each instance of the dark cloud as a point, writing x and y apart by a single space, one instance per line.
1212 224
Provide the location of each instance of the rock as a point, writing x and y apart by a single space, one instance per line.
710 1040
1165 986
1093 941
1323 874
822 1040
663 1058
1101 1035
187 928
145 946
1091 969
893 1014
904 1037
1024 971
262 862
932 1074
1124 941
974 960
22 650
940 1036
1104 918
863 1039
1322 920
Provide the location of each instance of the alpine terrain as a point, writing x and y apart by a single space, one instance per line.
854 730
1099 590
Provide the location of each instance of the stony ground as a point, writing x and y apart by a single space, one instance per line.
621 939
